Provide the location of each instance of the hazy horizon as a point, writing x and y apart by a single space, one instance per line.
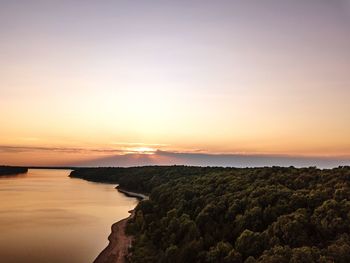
77 157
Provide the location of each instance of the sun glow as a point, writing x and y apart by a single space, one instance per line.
143 150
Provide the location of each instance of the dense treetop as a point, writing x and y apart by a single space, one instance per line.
247 215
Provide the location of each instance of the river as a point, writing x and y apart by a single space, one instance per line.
45 216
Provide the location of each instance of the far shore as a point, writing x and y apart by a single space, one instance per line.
119 243
12 170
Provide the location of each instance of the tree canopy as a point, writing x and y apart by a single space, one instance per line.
213 214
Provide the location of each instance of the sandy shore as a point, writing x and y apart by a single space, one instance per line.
119 242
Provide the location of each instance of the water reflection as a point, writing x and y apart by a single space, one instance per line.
45 216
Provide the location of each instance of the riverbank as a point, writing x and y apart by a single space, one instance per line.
119 243
139 196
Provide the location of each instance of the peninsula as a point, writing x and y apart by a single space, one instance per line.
215 214
12 170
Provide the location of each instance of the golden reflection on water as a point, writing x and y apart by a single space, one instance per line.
45 216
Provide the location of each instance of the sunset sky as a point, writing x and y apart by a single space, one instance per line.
89 80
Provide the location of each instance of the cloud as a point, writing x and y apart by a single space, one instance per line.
128 144
122 157
21 149
203 159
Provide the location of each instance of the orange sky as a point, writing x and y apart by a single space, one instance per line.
209 77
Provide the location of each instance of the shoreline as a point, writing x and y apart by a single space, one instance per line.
139 196
119 243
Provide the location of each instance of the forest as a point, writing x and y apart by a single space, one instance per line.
214 214
11 170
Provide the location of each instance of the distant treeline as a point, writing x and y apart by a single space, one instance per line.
140 179
10 170
273 215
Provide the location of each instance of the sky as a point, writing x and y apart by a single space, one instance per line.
87 81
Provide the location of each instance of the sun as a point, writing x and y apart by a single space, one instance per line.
143 150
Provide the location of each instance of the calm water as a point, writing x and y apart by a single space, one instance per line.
45 216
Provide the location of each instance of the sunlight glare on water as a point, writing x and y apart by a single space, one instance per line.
45 216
